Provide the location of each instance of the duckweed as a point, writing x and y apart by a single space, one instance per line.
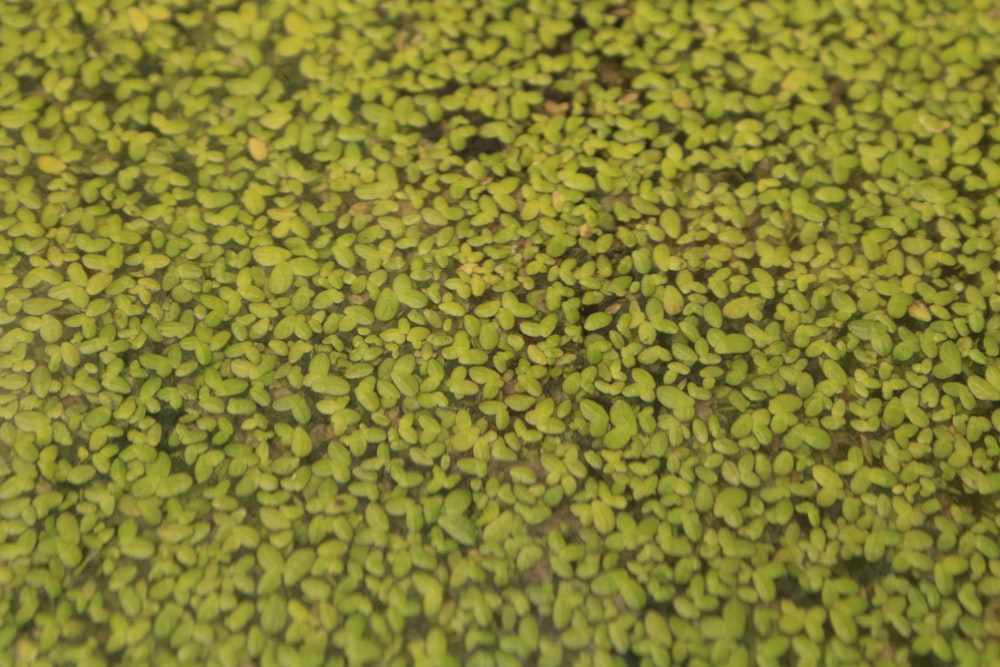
440 333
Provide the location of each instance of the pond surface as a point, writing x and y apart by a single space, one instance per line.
613 333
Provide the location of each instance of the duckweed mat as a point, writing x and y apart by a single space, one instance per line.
505 333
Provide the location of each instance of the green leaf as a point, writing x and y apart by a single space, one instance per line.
377 190
734 343
329 384
623 415
657 628
827 477
137 548
578 181
271 255
894 413
281 279
387 305
784 403
989 484
843 625
457 501
603 515
376 518
737 308
674 398
866 329
834 372
730 500
596 321
951 360
49 164
673 300
298 565
898 304
817 438
174 485
618 437
734 614
982 389
459 528
607 582
633 594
